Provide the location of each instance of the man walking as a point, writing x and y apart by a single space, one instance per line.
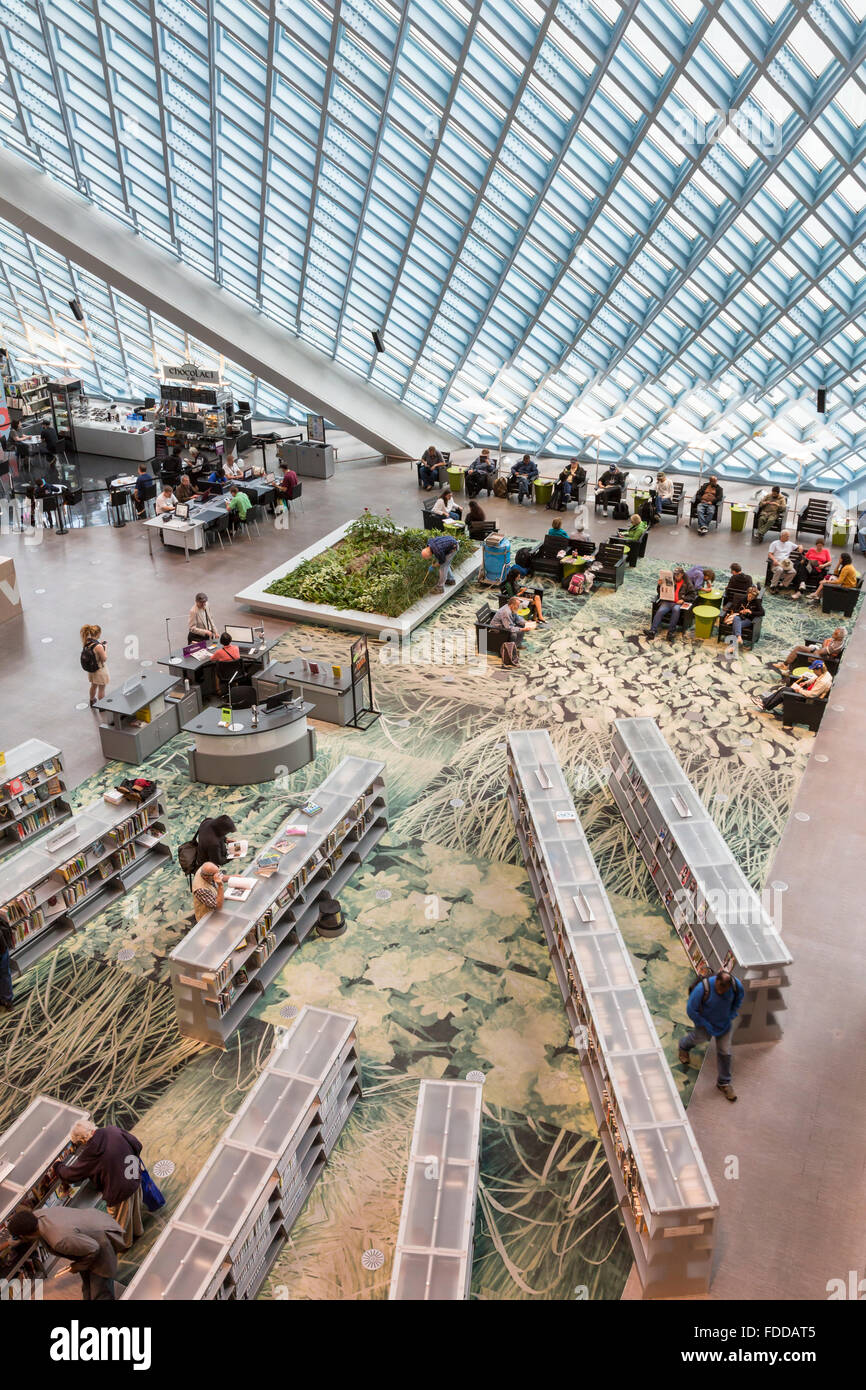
713 1006
441 550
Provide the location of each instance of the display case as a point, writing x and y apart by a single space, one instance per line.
65 401
223 966
230 1226
718 917
50 889
33 795
433 1258
666 1199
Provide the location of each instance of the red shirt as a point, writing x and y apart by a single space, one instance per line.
229 653
818 557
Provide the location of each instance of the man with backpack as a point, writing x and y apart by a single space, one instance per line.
713 1006
441 549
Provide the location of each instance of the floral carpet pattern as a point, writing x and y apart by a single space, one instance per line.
444 963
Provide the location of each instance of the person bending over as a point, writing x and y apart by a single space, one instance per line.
440 551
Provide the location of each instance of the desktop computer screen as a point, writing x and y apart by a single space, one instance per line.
283 697
181 511
241 634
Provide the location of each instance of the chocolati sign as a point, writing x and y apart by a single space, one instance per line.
188 371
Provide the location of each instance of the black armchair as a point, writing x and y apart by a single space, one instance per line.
835 599
430 520
685 619
673 506
814 518
750 634
613 494
493 636
777 524
476 483
808 712
636 549
441 473
479 530
612 559
717 508
545 559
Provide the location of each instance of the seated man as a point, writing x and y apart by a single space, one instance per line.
185 491
677 594
233 468
814 686
844 576
509 619
740 618
707 499
572 477
226 651
738 586
523 475
609 487
216 475
143 483
778 553
832 646
237 506
287 483
636 530
166 501
771 508
431 460
480 474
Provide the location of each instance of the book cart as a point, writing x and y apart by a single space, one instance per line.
32 793
49 890
230 1226
433 1258
223 966
716 913
665 1195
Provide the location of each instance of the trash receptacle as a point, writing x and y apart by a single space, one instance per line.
705 620
455 479
738 516
841 530
543 491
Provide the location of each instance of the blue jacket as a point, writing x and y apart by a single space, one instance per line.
525 470
718 1011
442 546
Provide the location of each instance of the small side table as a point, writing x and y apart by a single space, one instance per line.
572 567
738 516
705 620
711 598
455 479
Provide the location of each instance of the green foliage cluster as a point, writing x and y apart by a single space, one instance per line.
377 568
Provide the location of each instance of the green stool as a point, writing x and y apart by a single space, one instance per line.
738 516
841 531
543 491
705 620
455 479
572 567
711 598
454 528
800 671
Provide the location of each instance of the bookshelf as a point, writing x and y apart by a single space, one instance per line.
41 802
30 395
223 966
666 1199
716 913
50 889
229 1228
433 1258
28 1150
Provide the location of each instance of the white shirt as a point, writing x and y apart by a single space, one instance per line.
165 504
441 508
665 488
780 550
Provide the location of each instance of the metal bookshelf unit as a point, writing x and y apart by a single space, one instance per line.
223 966
433 1259
28 1150
230 1226
49 890
39 767
718 916
667 1201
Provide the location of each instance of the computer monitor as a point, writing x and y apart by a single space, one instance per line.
283 697
241 634
181 511
130 685
149 402
248 473
243 407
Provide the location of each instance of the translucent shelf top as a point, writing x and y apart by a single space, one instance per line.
419 1276
181 1265
308 1049
271 1113
222 1194
26 755
31 1144
448 1120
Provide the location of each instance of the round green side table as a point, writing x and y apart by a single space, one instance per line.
455 479
800 671
705 620
543 491
572 567
738 517
454 528
711 598
841 532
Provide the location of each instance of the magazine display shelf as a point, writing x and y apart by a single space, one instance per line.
716 913
230 1226
433 1259
665 1195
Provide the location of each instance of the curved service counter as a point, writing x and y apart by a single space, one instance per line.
246 753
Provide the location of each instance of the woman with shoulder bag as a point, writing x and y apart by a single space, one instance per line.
93 661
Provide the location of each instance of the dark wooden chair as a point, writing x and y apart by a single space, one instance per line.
835 599
673 506
814 518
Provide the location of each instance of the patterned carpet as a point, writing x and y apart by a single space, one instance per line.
447 972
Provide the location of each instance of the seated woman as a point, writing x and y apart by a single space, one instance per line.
476 521
446 507
844 576
814 686
740 618
212 840
832 646
635 530
814 566
529 594
556 529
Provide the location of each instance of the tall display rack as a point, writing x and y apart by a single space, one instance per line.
230 1226
718 917
667 1201
223 966
40 802
49 890
433 1259
28 1151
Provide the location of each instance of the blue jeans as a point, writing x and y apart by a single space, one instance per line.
662 612
657 503
522 486
429 476
723 1051
705 513
5 977
739 626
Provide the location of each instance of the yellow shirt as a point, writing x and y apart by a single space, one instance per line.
848 577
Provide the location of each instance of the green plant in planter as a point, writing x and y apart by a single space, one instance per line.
376 568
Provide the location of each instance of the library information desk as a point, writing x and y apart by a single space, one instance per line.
246 753
252 655
187 535
330 696
143 719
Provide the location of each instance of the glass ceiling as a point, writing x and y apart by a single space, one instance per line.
555 213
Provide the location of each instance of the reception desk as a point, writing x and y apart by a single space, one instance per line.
238 757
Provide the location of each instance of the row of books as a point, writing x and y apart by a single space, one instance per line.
18 908
123 833
36 820
30 797
17 785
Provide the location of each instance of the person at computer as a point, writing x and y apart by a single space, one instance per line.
185 492
166 501
143 483
217 476
200 624
233 468
226 651
237 506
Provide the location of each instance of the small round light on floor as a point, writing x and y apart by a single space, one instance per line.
125 954
542 699
383 895
821 758
305 649
744 742
448 680
289 1011
82 704
839 709
39 591
476 1076
372 1259
802 815
720 796
147 663
108 605
456 802
402 723
47 639
163 1168
779 885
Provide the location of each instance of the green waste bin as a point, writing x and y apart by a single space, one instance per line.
841 531
543 491
705 620
738 517
455 479
639 499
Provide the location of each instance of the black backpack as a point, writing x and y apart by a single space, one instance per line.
88 658
524 559
187 856
698 980
621 512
